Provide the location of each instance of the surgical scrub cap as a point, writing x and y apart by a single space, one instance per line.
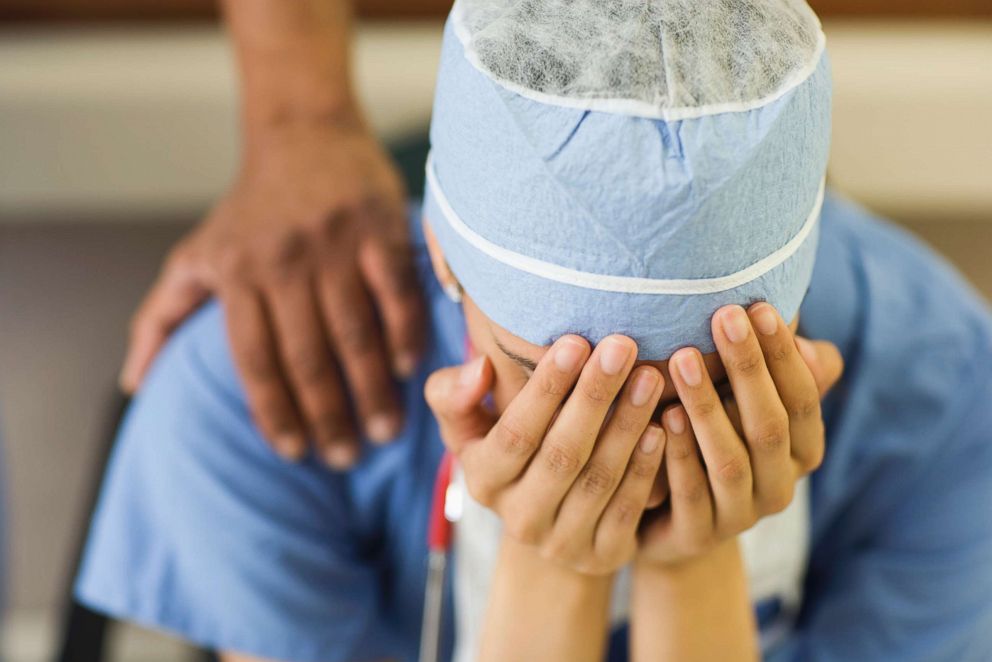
629 166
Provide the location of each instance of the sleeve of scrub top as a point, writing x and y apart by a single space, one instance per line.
202 531
921 588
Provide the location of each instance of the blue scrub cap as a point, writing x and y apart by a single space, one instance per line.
629 166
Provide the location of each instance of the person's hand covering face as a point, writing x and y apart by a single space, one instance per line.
571 462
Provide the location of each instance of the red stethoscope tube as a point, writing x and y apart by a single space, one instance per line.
439 529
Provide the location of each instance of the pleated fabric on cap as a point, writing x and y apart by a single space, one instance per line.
629 167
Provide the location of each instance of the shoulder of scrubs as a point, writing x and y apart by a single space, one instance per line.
203 531
901 534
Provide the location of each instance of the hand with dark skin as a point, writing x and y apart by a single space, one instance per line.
308 252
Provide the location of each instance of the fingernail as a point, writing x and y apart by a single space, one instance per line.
734 323
675 420
341 455
765 320
289 445
568 355
688 366
651 439
470 372
644 385
381 427
613 355
404 364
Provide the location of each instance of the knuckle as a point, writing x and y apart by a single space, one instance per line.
330 222
747 365
561 460
691 492
287 250
598 479
736 471
258 366
596 390
557 549
642 467
626 423
701 408
552 386
770 437
234 263
513 441
309 365
354 338
681 449
627 510
805 408
779 353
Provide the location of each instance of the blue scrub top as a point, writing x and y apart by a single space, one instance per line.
203 532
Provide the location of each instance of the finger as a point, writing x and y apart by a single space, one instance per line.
175 295
592 490
509 445
763 416
348 313
255 355
824 361
570 440
617 528
690 526
390 273
728 463
455 396
307 362
659 491
795 384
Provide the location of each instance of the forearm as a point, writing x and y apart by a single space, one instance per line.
695 610
539 610
294 60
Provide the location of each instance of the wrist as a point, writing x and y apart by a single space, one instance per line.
527 560
723 555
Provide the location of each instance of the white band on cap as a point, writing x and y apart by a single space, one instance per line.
623 284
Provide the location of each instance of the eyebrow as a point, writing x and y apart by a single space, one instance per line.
522 361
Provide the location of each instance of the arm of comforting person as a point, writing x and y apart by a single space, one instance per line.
308 250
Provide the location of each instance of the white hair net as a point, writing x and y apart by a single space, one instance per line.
664 59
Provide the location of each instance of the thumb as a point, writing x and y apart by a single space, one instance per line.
173 297
824 361
456 395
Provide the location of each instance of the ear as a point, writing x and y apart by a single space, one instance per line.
442 271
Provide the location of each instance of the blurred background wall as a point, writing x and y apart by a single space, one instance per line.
118 127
